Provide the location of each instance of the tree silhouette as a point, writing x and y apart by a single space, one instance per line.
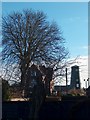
28 37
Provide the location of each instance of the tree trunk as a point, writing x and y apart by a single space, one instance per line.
38 98
23 80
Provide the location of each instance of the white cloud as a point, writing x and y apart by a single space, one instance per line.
73 19
85 47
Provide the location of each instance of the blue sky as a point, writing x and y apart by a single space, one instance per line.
46 0
71 17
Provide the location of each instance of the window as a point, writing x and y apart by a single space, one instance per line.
76 70
33 83
33 73
77 85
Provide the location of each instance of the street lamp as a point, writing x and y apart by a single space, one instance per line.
86 83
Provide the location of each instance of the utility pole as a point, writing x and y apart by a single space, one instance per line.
88 82
66 81
85 84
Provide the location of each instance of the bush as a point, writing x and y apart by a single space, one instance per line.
77 92
5 90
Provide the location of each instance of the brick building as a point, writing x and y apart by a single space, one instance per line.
40 76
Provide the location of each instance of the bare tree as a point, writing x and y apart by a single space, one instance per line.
28 37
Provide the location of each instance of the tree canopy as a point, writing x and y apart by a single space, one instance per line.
28 37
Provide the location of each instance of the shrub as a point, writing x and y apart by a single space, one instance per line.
5 90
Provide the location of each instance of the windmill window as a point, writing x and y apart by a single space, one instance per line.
76 69
77 85
33 73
